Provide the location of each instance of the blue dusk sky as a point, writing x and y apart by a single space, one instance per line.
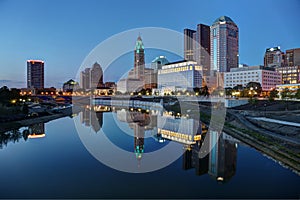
64 32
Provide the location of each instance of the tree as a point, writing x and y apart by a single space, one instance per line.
297 94
4 94
15 93
254 87
7 95
273 95
285 93
148 91
238 88
118 93
219 91
205 91
110 92
197 90
228 91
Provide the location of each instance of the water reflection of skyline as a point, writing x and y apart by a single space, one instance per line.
30 132
219 163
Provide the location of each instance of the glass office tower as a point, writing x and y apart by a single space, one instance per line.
224 43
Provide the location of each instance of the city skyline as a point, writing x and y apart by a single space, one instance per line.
106 99
62 38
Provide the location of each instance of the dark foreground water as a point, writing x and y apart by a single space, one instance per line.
58 164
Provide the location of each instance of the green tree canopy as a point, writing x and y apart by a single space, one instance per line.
285 93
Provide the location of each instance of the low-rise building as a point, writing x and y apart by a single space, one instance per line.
129 85
180 76
70 86
291 87
27 91
46 91
267 77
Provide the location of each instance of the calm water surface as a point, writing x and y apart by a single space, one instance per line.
58 165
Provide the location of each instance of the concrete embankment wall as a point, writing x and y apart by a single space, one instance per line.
231 103
128 103
277 128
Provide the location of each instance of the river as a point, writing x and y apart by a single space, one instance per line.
119 153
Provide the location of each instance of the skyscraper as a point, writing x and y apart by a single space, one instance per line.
189 44
139 77
91 78
85 79
202 47
139 59
274 57
35 74
197 46
96 76
224 44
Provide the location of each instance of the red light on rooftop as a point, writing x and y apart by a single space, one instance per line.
33 61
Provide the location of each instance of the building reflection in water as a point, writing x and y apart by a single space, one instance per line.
36 131
13 136
219 162
142 122
92 116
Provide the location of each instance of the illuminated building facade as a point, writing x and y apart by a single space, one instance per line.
290 74
291 70
267 77
35 74
224 44
183 130
179 76
274 57
291 87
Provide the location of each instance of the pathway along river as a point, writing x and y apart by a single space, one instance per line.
50 161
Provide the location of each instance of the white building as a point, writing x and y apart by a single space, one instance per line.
129 85
267 77
179 76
